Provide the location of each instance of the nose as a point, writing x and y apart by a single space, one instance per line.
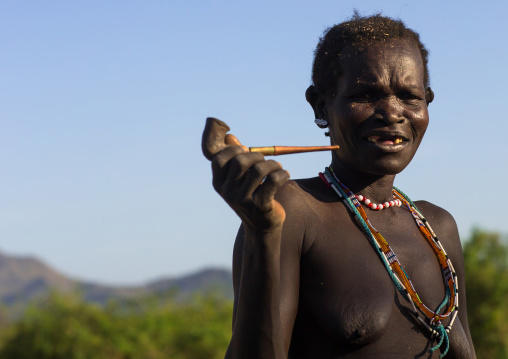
389 110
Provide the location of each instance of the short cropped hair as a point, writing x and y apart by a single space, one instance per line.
357 34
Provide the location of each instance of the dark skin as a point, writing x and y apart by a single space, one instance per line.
308 283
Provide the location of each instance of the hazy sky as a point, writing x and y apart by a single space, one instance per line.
102 105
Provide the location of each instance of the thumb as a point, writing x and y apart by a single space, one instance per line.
214 136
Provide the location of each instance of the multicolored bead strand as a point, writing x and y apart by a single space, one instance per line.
395 269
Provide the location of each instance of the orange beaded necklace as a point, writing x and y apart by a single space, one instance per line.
395 269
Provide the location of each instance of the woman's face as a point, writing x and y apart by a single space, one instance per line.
379 114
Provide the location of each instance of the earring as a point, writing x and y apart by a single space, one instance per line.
321 123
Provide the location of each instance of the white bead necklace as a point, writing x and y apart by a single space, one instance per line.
377 207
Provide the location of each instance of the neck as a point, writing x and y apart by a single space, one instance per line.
375 187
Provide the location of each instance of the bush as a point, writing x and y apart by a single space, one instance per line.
65 327
486 265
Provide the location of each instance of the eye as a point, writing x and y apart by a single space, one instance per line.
408 96
366 96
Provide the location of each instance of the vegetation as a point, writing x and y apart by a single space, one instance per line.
486 263
66 327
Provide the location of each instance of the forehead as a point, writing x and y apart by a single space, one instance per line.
388 60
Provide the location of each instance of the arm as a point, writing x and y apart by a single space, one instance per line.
248 184
257 329
262 321
289 278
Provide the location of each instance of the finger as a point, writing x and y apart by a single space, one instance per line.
238 167
255 176
242 163
221 163
222 158
213 139
265 194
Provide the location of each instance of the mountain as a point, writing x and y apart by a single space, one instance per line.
23 279
212 279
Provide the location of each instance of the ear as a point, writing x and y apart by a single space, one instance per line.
317 102
429 95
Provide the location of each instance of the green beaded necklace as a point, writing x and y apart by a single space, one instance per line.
395 269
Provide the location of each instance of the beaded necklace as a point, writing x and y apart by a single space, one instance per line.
378 207
395 269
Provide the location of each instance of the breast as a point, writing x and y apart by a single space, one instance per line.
350 301
363 322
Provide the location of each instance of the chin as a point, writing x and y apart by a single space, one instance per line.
385 167
376 165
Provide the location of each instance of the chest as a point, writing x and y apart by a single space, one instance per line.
348 289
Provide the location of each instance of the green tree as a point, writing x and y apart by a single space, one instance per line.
65 327
486 265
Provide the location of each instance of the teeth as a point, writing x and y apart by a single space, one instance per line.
376 139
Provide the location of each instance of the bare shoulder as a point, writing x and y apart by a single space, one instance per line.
289 193
444 226
303 200
436 214
295 193
303 197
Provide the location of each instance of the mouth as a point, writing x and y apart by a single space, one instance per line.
391 142
386 140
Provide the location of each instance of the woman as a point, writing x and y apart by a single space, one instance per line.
313 274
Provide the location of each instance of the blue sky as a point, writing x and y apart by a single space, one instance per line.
102 105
